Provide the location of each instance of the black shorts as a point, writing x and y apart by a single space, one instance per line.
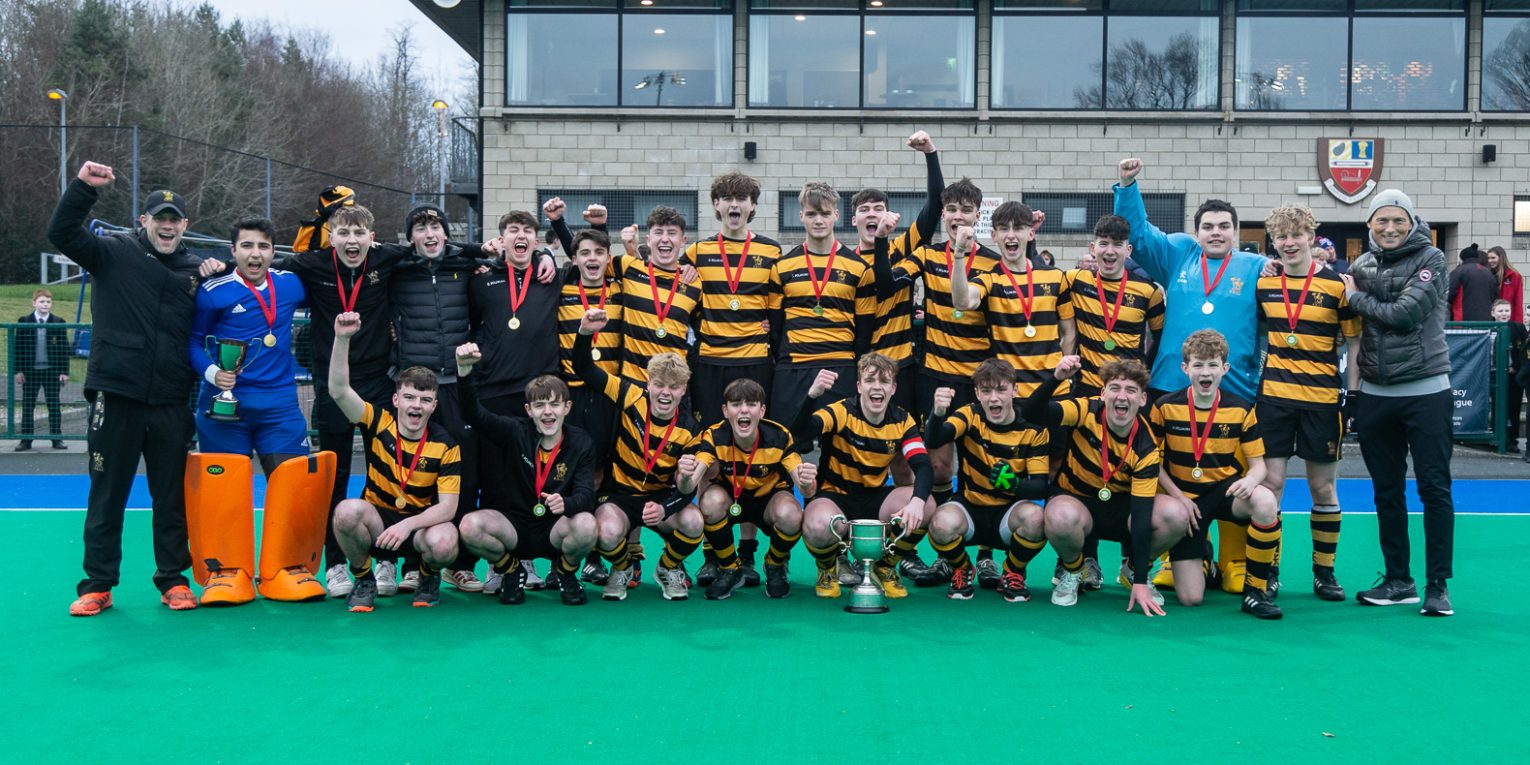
1110 516
751 509
1214 504
595 415
1311 434
708 381
864 505
391 516
987 525
789 391
533 536
905 395
631 505
925 384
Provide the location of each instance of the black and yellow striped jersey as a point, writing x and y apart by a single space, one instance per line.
1005 297
1134 465
981 445
438 473
646 451
1234 440
956 341
855 453
573 301
1141 314
1304 374
734 307
641 287
829 322
766 472
893 335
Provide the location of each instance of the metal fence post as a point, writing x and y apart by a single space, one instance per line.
134 211
268 188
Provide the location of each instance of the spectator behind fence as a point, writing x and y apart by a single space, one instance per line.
1510 286
1517 336
1472 288
41 363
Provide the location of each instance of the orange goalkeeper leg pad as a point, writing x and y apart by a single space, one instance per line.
220 525
292 536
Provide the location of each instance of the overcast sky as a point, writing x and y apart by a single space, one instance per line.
352 24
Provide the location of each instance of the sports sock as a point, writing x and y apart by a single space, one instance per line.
823 556
1091 548
953 553
426 570
677 548
363 570
565 565
636 550
781 545
1262 541
748 547
943 492
505 563
719 537
1076 565
1325 534
905 544
984 552
1020 552
619 557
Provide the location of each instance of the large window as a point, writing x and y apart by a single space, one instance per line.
626 206
619 53
1351 55
1506 56
874 54
1105 54
1077 212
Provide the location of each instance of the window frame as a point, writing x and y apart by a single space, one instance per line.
1522 14
1165 209
610 197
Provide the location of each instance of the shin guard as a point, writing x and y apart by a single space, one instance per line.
220 526
292 535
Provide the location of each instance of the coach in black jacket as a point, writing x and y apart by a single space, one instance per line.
40 363
138 381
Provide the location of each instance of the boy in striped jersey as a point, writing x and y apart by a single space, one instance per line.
659 307
642 488
1213 466
1305 311
413 478
858 437
746 467
1108 482
1004 468
823 303
1118 314
588 284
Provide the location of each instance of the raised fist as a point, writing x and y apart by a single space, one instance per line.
1128 170
920 141
347 324
97 175
553 208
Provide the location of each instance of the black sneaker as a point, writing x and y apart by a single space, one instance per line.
594 573
988 574
1436 599
571 589
428 593
1389 591
59 445
751 574
727 581
512 591
1258 603
1325 585
363 594
776 585
24 446
708 573
1272 589
961 587
1093 578
933 575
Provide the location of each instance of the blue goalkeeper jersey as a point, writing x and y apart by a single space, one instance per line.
227 309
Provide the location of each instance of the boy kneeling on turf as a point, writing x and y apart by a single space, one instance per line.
1003 468
1213 465
549 476
413 478
746 466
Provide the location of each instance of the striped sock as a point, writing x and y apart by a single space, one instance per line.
1074 566
781 545
677 548
1021 551
426 570
823 556
953 553
565 565
619 557
719 536
1262 541
505 563
364 570
1325 534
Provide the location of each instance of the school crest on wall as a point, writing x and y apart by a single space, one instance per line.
1349 167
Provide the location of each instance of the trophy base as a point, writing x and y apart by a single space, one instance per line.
220 416
855 609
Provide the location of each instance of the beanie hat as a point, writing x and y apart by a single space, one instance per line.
1391 198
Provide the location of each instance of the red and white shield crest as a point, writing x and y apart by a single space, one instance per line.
1349 167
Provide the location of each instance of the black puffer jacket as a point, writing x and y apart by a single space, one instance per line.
430 310
1402 298
142 305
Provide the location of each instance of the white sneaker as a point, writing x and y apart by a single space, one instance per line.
493 582
673 582
1066 591
387 578
616 584
1157 596
534 581
464 580
410 582
338 581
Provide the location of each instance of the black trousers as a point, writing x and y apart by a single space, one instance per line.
121 431
448 415
48 383
1392 428
1516 397
338 435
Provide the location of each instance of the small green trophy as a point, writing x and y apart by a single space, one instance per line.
231 356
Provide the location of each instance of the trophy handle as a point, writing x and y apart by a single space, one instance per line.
897 520
844 543
210 347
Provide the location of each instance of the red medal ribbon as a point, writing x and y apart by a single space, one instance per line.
543 475
268 311
517 300
653 284
1300 302
347 306
951 264
584 300
1206 280
1106 471
1198 441
743 257
738 486
828 270
398 459
649 458
1107 315
1030 288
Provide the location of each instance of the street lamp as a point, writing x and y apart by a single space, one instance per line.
658 80
63 130
440 107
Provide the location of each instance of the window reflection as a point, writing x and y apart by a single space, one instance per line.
804 60
1408 64
539 73
1158 63
1506 64
674 60
914 62
1275 73
1041 62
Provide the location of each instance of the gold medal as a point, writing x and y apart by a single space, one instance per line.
1197 472
515 322
956 314
1104 495
1110 344
660 332
539 510
818 309
1207 308
399 503
1291 339
735 509
733 304
270 340
595 354
1030 331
